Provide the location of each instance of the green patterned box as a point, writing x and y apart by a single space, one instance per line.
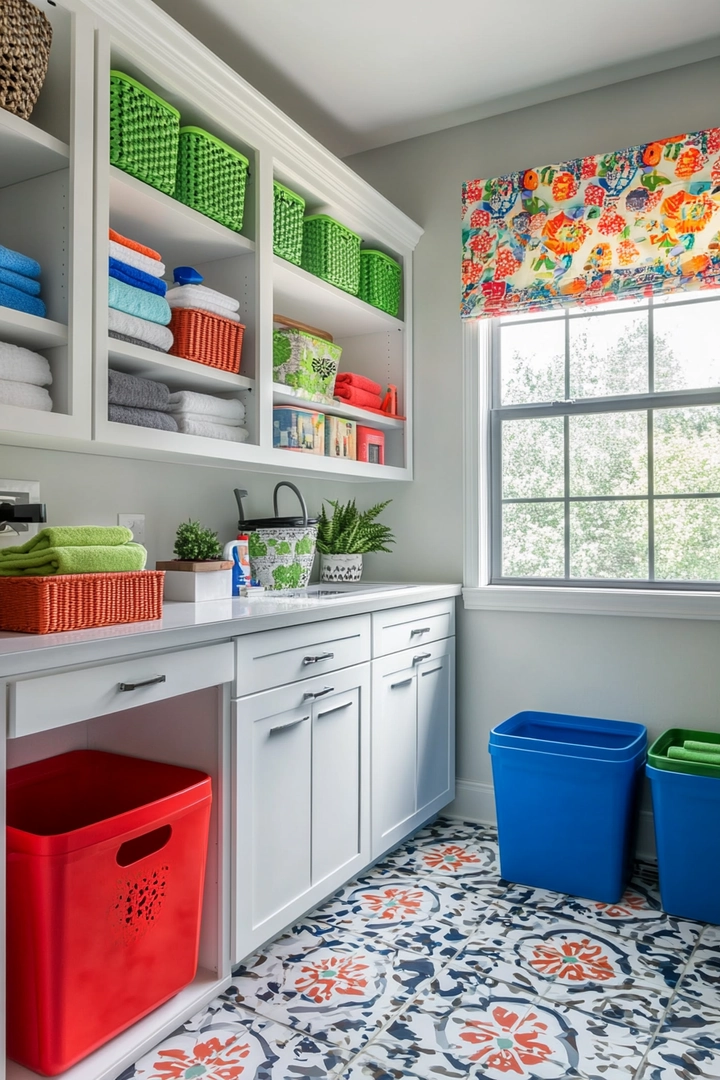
306 363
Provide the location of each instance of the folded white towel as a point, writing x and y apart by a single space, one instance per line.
227 410
198 296
207 418
211 431
22 365
211 309
142 329
25 396
136 259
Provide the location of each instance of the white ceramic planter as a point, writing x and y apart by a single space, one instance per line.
192 588
341 568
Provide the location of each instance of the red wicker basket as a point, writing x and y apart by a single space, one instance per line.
56 602
207 339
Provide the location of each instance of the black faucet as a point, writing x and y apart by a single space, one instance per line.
13 513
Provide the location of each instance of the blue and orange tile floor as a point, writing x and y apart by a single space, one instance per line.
430 967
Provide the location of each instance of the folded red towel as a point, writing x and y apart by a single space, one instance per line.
347 378
120 239
360 398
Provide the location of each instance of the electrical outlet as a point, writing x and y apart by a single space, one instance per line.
18 491
136 524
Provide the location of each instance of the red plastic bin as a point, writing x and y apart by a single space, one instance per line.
106 866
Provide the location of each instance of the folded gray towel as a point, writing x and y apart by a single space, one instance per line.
122 414
137 393
134 341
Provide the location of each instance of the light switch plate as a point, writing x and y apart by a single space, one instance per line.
19 491
136 524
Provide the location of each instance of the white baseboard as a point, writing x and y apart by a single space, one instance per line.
476 802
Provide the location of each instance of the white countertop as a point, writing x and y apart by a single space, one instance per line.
187 624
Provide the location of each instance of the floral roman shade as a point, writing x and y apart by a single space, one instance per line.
635 222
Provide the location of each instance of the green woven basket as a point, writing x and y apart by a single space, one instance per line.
331 252
211 177
144 132
380 279
288 214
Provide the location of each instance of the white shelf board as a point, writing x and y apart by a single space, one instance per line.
30 331
303 296
110 1060
178 373
282 395
180 234
312 464
27 151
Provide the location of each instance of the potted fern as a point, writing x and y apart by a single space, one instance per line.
345 536
199 572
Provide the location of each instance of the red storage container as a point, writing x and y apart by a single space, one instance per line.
106 865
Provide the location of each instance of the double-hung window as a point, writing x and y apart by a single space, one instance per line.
605 445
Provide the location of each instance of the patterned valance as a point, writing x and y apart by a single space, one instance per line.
635 222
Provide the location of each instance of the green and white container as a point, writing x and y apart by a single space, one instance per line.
306 363
282 549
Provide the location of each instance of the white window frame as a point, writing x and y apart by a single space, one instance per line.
478 593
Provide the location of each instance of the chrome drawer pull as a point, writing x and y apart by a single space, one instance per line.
316 659
318 693
421 656
432 670
335 708
420 630
286 727
123 686
404 682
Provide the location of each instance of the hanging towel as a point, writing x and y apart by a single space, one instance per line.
151 418
19 264
229 410
25 396
136 302
131 276
21 301
137 393
211 431
22 365
124 241
679 753
137 259
689 744
74 560
199 296
71 536
19 281
359 382
360 398
130 327
210 309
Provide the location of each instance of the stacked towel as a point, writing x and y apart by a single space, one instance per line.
357 390
138 311
203 299
210 416
23 378
139 402
19 283
73 550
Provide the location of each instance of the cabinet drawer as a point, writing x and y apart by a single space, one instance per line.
49 701
276 657
416 624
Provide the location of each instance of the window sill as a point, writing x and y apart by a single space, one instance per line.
646 603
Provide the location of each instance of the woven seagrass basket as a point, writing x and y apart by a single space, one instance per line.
25 39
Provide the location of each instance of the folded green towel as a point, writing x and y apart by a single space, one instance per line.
63 536
702 747
74 560
679 753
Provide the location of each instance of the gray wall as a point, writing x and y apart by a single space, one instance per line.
656 671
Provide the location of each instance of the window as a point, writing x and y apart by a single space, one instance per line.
605 445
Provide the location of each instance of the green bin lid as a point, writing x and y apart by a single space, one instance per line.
657 754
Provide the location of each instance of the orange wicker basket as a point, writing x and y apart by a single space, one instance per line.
207 339
49 604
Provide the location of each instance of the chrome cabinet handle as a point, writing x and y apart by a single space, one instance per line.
335 708
421 656
123 686
420 630
286 727
432 670
318 693
404 682
316 659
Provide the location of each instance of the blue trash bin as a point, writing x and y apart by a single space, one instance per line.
566 797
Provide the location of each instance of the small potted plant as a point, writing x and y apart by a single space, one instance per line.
345 536
199 572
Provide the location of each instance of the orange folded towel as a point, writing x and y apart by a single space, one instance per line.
119 239
358 382
360 398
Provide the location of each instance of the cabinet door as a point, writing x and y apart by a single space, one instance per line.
394 727
435 728
336 780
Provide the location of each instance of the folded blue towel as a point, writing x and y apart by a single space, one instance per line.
21 301
132 276
20 264
19 281
137 302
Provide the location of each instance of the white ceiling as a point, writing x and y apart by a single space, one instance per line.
363 73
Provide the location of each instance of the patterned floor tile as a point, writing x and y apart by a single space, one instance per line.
469 976
672 1060
695 1012
434 918
451 850
364 1068
711 936
339 988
